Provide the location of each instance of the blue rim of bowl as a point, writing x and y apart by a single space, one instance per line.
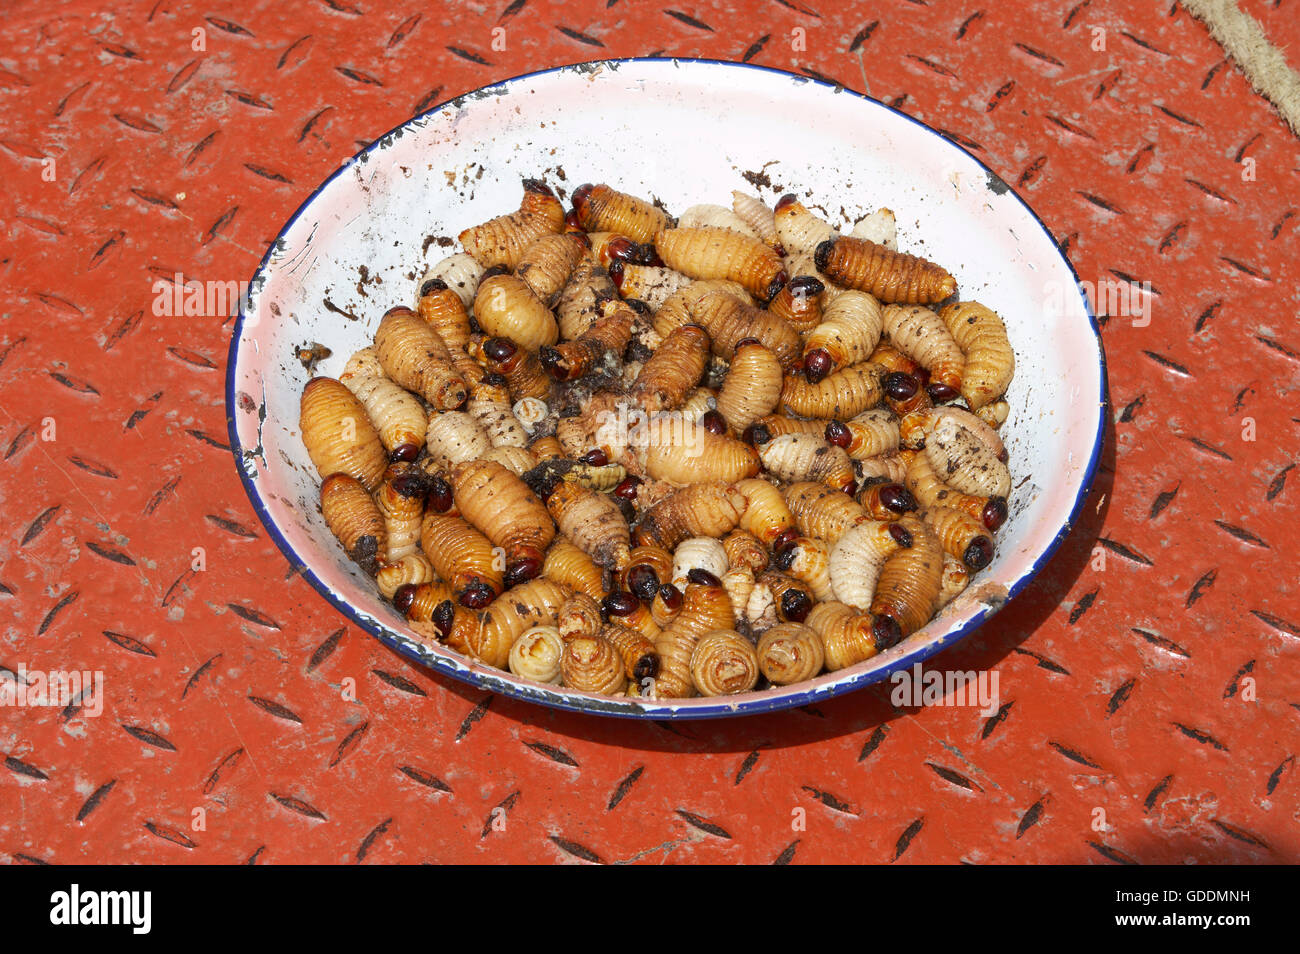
636 709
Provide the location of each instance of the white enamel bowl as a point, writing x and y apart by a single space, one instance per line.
685 132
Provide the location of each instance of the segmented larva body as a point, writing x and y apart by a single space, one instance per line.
709 216
887 467
652 284
497 418
698 403
921 335
462 556
805 266
798 229
636 616
592 664
412 569
656 559
955 578
535 603
965 462
752 387
338 434
739 584
755 213
592 521
604 478
698 553
799 303
459 272
793 599
920 424
530 412
665 606
507 512
601 208
995 414
879 227
858 558
579 616
568 565
700 510
869 434
890 358
688 453
766 514
640 658
886 500
990 362
961 535
743 549
760 609
844 394
890 276
413 356
517 460
848 637
453 437
427 600
673 370
507 308
502 240
705 608
525 377
678 307
808 560
729 321
444 311
797 457
724 663
908 587
776 425
536 655
576 308
398 416
821 512
548 262
400 499
930 491
719 253
600 345
849 332
353 518
790 653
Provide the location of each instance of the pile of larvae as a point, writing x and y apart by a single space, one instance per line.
634 455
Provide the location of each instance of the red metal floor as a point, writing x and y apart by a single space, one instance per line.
1148 677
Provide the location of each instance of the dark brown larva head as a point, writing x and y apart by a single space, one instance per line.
403 597
817 364
941 393
579 200
615 270
899 385
477 595
783 558
439 496
838 434
902 536
399 310
822 254
618 604
537 187
553 362
886 632
495 379
785 539
433 285
444 614
522 569
756 435
714 422
499 349
404 453
806 286
796 604
897 498
671 597
626 488
620 249
594 457
412 485
643 582
493 272
637 305
995 512
785 202
703 577
573 226
581 238
979 554
777 283
647 667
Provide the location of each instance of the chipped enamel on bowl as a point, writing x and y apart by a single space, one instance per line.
684 132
